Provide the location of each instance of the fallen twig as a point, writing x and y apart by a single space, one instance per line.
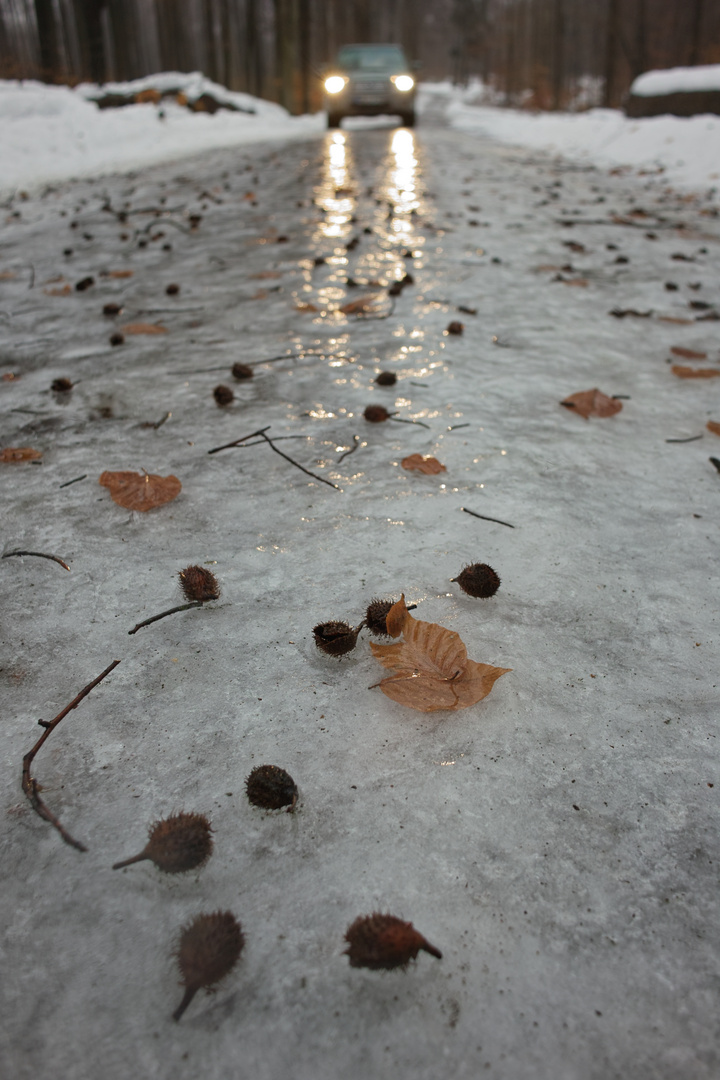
276 439
75 481
269 441
38 555
229 445
297 464
267 360
399 420
693 438
356 440
30 785
162 615
484 517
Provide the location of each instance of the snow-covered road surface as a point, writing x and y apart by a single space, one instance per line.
557 842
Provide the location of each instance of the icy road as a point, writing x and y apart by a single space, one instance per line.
557 842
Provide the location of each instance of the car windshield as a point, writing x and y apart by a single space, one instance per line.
385 58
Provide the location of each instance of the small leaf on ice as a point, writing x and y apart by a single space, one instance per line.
592 403
694 373
140 491
13 455
428 465
687 354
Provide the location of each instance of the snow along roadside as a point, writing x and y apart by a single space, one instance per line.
52 133
684 151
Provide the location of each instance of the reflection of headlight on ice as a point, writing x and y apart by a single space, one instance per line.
404 82
334 84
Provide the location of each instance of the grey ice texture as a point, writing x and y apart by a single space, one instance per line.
558 841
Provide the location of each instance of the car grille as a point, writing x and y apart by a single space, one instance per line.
379 87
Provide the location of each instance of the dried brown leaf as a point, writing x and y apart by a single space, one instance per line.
579 283
306 307
694 373
674 319
712 425
119 273
7 275
62 290
592 403
431 666
13 455
429 465
144 328
140 491
687 354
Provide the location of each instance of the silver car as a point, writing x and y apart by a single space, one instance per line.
367 80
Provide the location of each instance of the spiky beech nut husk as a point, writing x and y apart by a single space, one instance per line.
376 414
335 638
61 386
197 583
386 378
117 338
384 942
223 395
455 327
376 615
208 950
271 787
242 371
176 844
111 309
479 579
172 289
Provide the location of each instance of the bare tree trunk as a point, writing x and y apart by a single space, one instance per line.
49 39
286 41
612 45
304 67
90 39
558 76
696 38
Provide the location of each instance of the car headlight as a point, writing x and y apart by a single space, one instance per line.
404 83
335 84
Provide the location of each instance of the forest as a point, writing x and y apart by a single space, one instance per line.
537 54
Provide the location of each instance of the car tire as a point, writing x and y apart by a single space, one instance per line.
334 120
408 119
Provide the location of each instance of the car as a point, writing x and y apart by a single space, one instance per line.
368 80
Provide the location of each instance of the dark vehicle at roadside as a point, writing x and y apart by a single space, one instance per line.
370 80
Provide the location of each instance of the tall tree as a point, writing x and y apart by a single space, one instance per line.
51 65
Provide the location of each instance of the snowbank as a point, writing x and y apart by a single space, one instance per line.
51 133
677 80
686 150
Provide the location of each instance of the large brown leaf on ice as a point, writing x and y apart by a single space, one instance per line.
429 465
431 666
592 403
683 372
712 425
140 491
